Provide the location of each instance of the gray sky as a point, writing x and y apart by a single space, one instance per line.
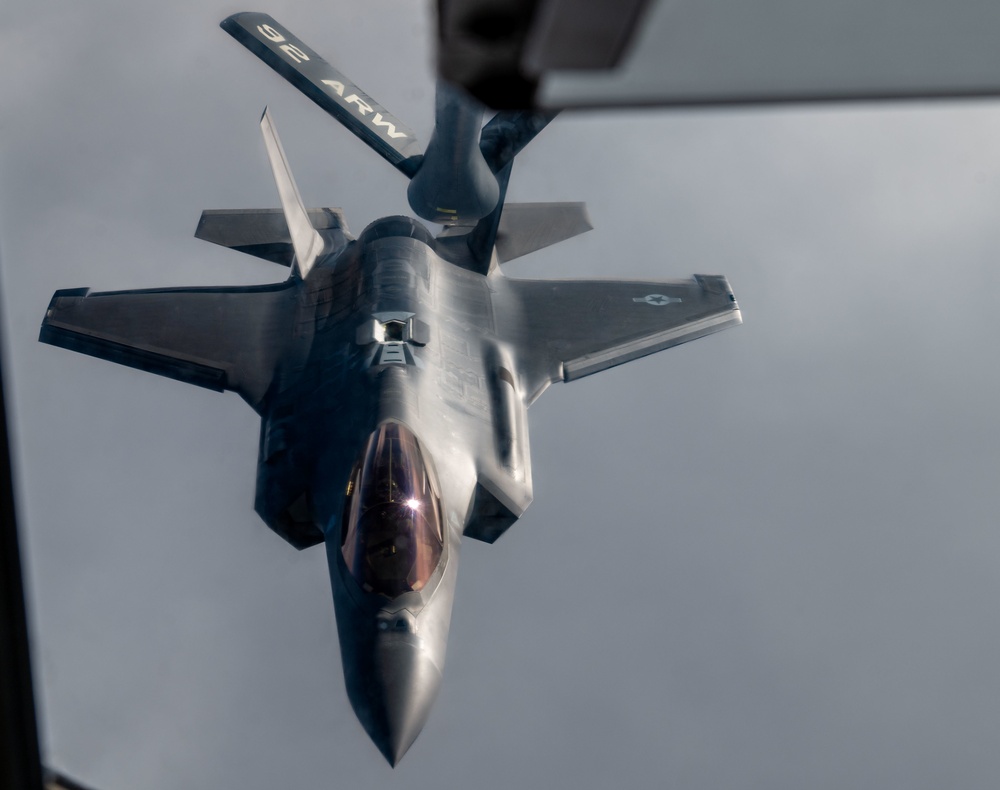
768 559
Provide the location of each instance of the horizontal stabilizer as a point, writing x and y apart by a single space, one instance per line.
263 232
327 87
526 227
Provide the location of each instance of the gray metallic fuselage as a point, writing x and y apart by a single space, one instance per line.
392 385
392 373
386 330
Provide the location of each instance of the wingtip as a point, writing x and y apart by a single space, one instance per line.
230 21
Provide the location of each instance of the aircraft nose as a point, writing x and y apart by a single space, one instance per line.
401 692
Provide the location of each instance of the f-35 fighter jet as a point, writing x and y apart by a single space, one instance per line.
393 371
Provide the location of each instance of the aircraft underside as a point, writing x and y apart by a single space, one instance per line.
393 371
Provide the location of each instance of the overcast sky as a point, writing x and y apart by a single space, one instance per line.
766 559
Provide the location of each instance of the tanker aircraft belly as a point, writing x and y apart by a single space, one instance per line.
393 371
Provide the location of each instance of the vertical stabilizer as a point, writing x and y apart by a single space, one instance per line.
306 241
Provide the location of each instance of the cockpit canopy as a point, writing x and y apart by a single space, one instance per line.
391 537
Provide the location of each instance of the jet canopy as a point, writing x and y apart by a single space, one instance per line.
391 538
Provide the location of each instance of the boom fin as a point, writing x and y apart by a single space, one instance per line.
306 241
327 87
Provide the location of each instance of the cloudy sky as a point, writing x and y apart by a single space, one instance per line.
770 558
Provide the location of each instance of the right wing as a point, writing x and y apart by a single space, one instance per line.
567 329
219 338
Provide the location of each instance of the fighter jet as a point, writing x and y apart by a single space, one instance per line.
392 371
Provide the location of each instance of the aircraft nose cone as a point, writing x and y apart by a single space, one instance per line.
401 691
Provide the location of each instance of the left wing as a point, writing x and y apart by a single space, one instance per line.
219 338
567 329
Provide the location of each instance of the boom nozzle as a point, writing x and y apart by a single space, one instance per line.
454 185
